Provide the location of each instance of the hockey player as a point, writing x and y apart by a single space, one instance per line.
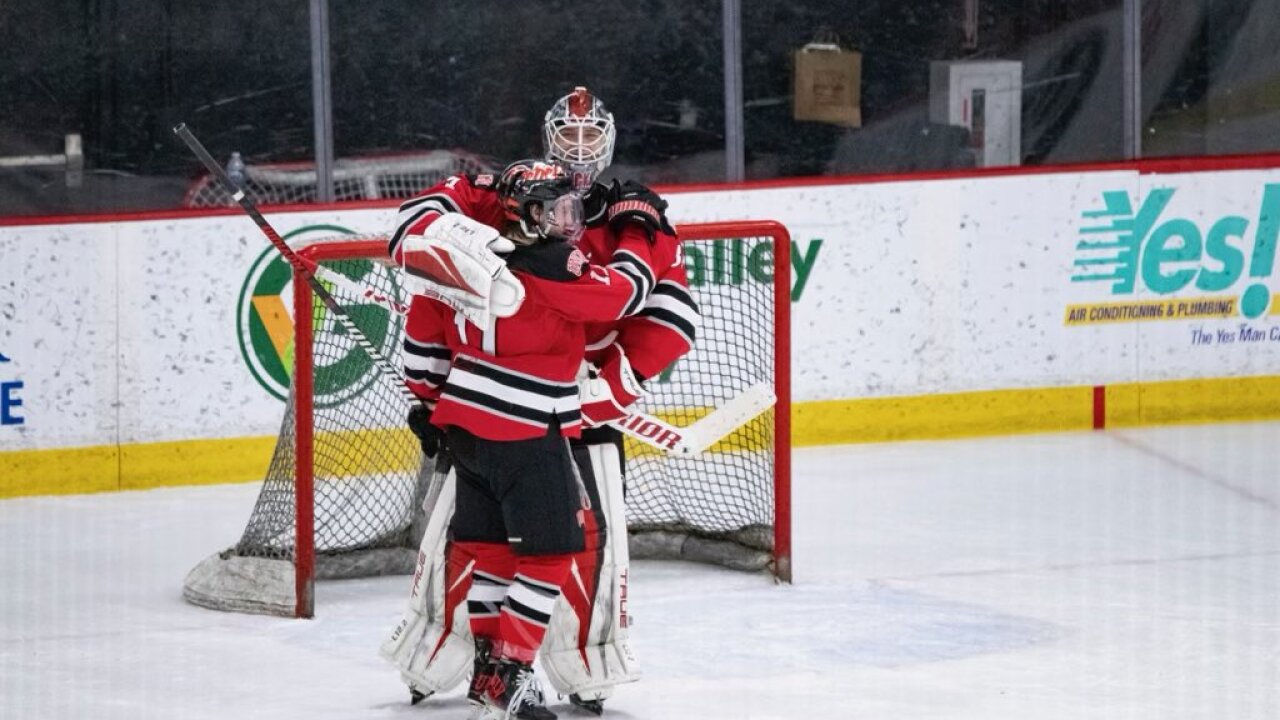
587 652
506 396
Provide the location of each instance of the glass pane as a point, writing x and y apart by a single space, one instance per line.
1210 77
1042 85
120 75
455 84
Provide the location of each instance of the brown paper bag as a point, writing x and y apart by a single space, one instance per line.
828 82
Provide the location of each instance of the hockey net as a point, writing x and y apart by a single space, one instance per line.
364 178
343 493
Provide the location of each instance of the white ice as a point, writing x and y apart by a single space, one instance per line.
1124 574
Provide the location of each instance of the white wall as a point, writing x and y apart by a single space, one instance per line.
126 331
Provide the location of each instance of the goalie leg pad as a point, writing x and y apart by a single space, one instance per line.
586 652
432 645
437 663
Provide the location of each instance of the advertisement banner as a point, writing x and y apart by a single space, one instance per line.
147 331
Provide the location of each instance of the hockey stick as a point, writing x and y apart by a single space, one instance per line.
303 268
368 293
700 435
689 440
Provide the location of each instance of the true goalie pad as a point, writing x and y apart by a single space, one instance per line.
586 651
432 644
453 261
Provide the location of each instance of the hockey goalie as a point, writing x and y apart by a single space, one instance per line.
586 652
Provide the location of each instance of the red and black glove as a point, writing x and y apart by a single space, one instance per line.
608 390
631 202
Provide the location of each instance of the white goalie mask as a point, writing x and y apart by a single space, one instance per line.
578 135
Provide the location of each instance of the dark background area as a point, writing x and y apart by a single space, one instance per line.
478 76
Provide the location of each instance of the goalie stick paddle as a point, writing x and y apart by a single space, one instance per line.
699 436
304 269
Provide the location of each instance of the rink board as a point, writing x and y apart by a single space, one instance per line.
955 306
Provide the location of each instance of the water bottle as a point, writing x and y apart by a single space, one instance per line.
235 170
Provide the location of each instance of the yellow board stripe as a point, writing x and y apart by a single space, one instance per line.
993 412
194 462
1193 401
950 415
60 471
135 466
139 466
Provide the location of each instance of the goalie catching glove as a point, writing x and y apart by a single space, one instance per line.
608 390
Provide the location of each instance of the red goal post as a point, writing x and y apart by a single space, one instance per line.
340 496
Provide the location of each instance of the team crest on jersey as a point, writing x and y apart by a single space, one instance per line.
576 262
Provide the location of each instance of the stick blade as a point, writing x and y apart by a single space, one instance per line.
742 409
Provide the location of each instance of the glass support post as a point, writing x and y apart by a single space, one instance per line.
1131 112
322 100
734 153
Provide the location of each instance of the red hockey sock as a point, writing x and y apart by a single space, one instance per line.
527 610
490 580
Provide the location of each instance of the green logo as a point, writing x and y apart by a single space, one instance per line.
265 328
732 262
1123 247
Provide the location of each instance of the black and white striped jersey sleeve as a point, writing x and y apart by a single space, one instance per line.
673 307
636 270
425 354
416 213
426 365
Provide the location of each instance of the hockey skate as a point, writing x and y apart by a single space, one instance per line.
510 691
481 670
595 707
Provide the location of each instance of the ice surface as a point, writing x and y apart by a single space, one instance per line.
1125 574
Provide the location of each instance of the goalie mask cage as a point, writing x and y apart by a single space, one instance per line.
343 493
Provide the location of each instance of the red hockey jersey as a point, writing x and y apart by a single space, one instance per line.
660 322
512 379
667 323
630 253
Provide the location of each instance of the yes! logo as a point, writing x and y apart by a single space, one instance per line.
1168 255
264 324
